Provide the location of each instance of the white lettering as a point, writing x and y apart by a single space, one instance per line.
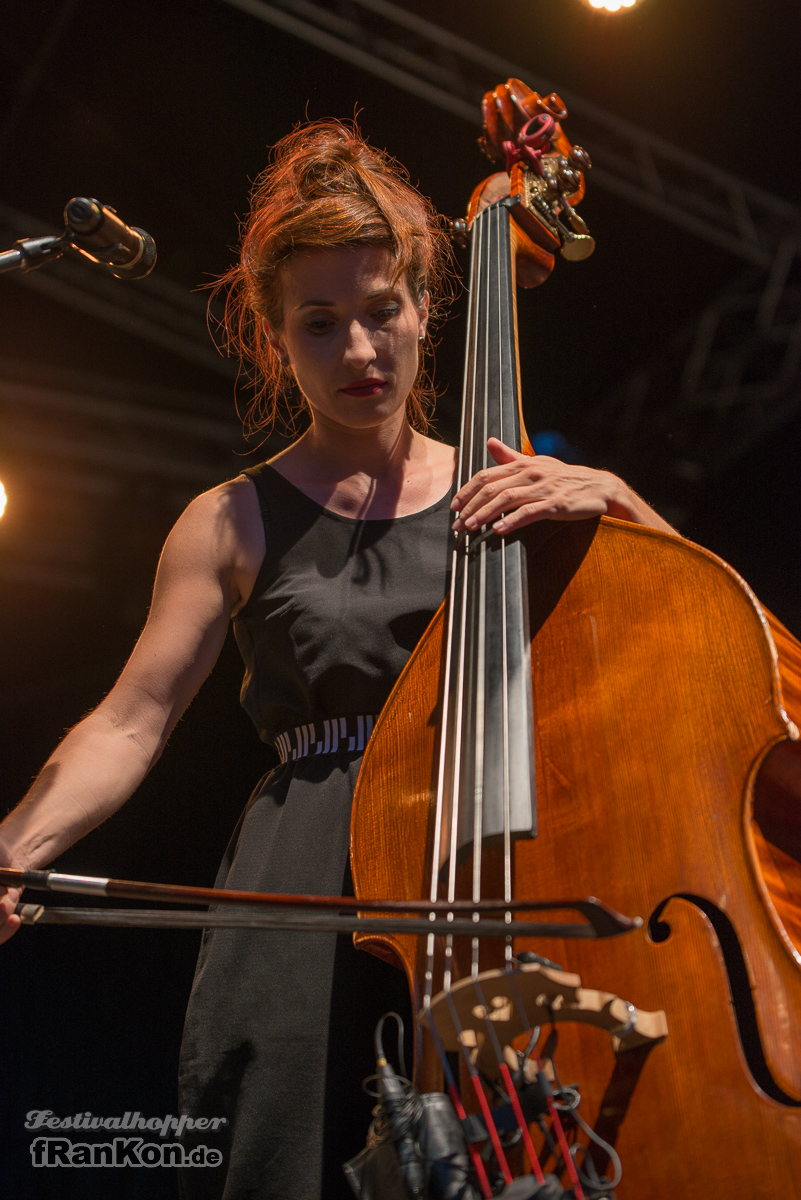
36 1117
167 1124
122 1152
172 1155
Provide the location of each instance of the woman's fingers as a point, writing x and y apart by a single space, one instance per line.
9 921
489 504
521 490
504 454
489 477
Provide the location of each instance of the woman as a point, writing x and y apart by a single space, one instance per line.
330 559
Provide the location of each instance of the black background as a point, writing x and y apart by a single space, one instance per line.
165 110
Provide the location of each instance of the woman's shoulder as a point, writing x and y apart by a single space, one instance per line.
222 530
230 506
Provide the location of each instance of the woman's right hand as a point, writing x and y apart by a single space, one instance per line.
9 899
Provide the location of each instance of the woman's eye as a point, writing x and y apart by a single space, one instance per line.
386 314
320 325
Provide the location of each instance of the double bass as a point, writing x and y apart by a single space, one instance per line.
598 709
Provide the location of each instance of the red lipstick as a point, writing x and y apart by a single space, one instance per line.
364 387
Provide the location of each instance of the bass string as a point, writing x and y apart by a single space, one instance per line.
477 684
477 688
464 690
494 404
504 293
462 577
495 333
450 737
467 741
464 459
482 412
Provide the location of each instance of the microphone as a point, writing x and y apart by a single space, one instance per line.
402 1111
98 233
397 1098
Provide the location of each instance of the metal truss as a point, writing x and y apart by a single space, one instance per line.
717 389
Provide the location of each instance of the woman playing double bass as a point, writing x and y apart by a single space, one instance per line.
330 559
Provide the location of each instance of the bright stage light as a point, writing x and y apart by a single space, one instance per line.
612 5
2 499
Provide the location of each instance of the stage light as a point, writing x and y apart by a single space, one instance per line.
612 5
2 499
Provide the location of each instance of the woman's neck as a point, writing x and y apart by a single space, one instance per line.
385 472
334 453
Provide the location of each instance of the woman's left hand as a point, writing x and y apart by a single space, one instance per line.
522 489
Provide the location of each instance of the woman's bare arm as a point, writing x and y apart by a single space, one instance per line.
207 567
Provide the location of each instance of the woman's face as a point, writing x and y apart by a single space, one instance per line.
350 334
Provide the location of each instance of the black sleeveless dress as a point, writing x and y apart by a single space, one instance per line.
278 1033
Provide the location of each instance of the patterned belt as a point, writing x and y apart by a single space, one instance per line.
336 735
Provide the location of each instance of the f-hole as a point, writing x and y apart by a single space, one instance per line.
739 990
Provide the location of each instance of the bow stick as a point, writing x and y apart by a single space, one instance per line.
439 915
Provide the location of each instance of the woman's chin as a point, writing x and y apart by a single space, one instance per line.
364 413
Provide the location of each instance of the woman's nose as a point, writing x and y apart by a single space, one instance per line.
359 350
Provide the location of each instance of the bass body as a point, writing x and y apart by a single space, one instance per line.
599 709
666 757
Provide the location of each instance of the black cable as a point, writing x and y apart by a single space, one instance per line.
600 1186
379 1040
567 1100
399 1111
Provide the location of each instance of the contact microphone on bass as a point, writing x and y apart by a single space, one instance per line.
99 234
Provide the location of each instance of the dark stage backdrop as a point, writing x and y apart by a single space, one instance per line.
165 110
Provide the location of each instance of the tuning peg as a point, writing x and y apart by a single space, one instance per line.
554 105
578 223
577 243
579 158
569 179
577 246
458 231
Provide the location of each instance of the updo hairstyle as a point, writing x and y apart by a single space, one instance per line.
326 186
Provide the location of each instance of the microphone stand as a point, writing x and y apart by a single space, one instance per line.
30 253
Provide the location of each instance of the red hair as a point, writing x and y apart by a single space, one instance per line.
326 186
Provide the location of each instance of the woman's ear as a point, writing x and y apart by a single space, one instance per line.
275 342
422 316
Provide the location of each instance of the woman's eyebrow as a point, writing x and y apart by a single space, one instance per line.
384 291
